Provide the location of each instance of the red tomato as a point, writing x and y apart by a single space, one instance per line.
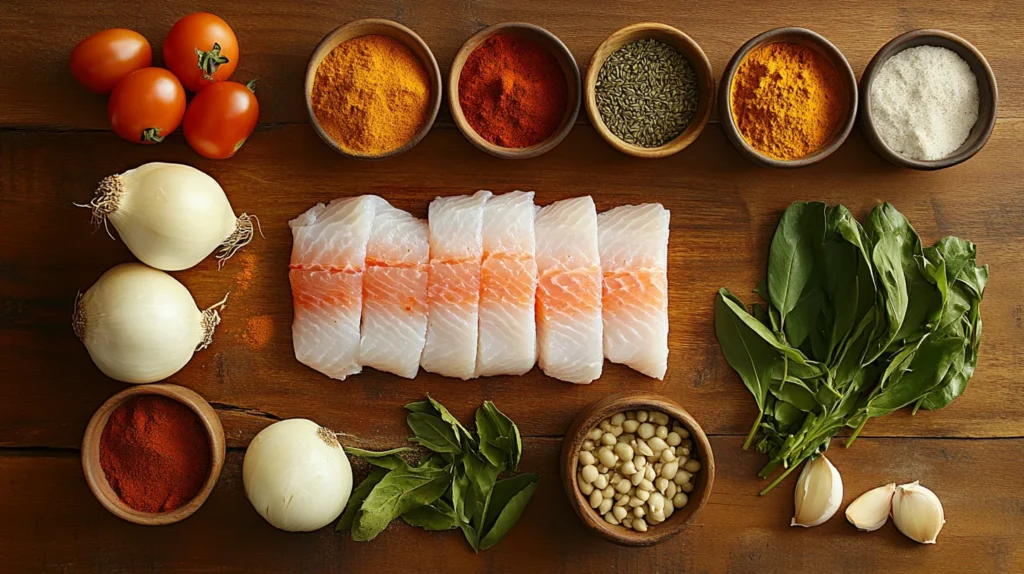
201 49
147 105
102 60
220 118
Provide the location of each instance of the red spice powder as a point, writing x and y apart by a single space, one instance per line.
513 91
155 453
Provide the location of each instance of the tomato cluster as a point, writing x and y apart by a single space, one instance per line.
147 103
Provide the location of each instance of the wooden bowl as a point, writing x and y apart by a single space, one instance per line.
816 42
688 48
367 27
988 94
97 481
565 60
627 401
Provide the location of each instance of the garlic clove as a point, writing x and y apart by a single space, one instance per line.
819 492
871 509
917 512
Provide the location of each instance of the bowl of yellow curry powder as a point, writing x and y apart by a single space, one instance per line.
373 89
788 98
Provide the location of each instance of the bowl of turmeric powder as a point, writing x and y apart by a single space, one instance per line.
373 89
788 98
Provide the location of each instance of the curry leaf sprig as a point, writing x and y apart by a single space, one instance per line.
859 322
457 486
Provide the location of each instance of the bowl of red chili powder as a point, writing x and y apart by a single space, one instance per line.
514 90
152 453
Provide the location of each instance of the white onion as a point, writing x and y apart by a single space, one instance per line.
171 216
296 475
140 325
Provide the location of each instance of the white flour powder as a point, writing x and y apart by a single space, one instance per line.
925 102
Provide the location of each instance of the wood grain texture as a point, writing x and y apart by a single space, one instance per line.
59 527
277 39
723 215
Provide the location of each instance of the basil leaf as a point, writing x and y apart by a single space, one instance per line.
735 306
500 442
398 492
503 492
424 407
482 476
432 517
509 515
888 260
954 385
355 501
791 259
448 418
433 433
930 365
745 351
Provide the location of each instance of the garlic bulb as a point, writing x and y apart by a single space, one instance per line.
819 492
296 475
871 509
140 325
917 512
170 216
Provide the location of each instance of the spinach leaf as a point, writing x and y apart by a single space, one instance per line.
953 386
432 517
355 501
509 514
736 308
433 433
398 492
500 442
388 459
925 372
791 259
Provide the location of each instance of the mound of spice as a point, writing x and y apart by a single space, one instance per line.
647 93
155 453
925 101
787 100
371 95
513 91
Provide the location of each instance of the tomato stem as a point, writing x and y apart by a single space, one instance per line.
151 135
210 61
252 85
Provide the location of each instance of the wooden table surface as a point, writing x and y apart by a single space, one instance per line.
55 145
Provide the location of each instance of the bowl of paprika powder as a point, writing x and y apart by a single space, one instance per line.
514 90
152 453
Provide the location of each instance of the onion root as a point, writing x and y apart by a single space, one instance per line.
211 318
239 238
106 201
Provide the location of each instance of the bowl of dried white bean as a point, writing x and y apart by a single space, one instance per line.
637 468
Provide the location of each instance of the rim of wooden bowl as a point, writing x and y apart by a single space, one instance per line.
572 77
689 49
367 27
804 37
587 419
97 480
988 92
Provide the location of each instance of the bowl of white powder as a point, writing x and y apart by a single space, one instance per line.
929 100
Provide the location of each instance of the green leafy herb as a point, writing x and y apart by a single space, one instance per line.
859 322
458 486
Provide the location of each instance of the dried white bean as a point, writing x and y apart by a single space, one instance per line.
585 487
635 502
645 485
588 445
610 519
639 525
608 439
649 473
628 468
622 499
589 473
618 418
691 466
643 448
683 433
657 444
615 430
595 434
688 487
587 458
659 418
667 455
620 512
639 511
595 498
656 516
682 452
605 425
630 425
656 502
671 490
661 483
636 478
661 432
669 509
657 468
601 481
605 506
645 431
608 492
607 456
641 416
682 477
625 438
673 439
639 461
643 495
670 470
680 500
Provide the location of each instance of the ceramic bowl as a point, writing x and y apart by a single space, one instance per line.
98 481
688 48
367 27
988 93
589 418
816 42
565 60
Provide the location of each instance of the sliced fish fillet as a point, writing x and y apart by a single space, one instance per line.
508 285
326 275
633 241
453 292
569 324
394 322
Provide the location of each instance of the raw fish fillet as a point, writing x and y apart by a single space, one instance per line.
395 293
326 274
569 291
453 292
633 240
508 286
